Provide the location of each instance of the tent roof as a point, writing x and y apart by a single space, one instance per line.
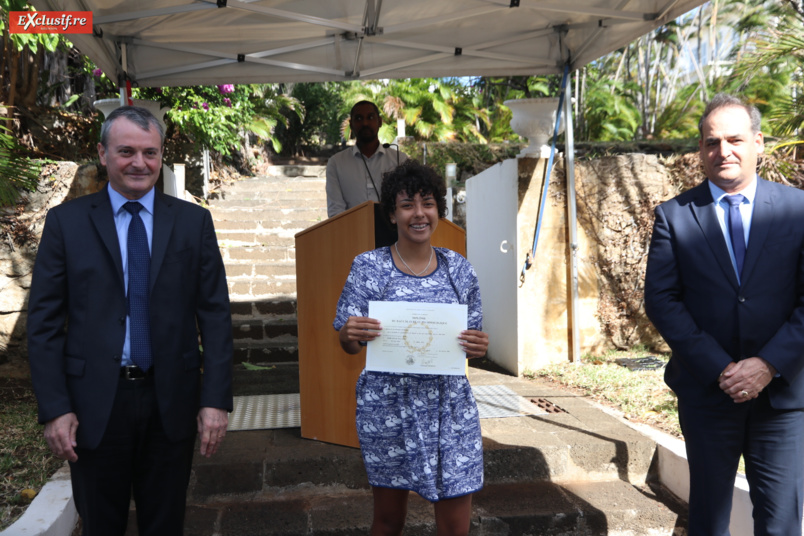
206 42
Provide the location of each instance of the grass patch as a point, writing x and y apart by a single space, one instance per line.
25 459
641 396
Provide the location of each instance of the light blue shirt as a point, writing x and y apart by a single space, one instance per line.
122 218
746 211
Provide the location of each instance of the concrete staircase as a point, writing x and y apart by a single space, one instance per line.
575 471
256 221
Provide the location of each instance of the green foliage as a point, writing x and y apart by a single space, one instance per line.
436 109
17 172
610 110
31 41
213 117
311 118
471 158
679 119
218 117
773 73
269 103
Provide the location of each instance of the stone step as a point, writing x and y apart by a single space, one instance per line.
258 254
536 508
267 289
277 309
262 352
283 200
296 170
577 471
578 442
269 378
254 237
240 270
281 227
268 214
264 185
286 460
280 331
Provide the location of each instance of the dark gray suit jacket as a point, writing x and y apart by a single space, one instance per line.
77 310
693 298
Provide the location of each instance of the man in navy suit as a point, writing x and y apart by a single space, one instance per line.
725 288
114 345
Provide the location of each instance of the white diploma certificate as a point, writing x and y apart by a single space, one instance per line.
417 338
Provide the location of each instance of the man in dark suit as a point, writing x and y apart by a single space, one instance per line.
119 295
725 288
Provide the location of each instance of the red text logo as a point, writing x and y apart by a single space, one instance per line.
50 22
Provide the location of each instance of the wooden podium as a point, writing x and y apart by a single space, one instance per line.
327 374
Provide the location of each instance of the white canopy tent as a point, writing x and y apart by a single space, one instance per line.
207 42
158 43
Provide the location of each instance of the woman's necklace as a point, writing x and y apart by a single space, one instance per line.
406 264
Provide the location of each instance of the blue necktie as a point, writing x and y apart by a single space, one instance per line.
139 270
736 230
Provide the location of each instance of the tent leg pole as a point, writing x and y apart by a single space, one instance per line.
569 155
122 83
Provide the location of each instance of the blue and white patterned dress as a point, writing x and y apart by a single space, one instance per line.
417 432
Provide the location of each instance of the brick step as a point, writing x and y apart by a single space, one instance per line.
268 289
271 214
281 227
257 331
256 236
282 308
537 508
273 378
258 254
298 171
265 352
263 185
283 200
240 270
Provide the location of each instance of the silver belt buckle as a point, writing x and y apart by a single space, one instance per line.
133 372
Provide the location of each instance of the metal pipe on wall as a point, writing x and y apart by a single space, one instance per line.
569 158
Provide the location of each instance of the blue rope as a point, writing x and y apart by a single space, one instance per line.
548 170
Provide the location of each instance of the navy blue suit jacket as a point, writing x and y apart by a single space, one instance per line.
77 310
693 297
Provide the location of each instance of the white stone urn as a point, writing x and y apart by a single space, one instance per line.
155 107
535 120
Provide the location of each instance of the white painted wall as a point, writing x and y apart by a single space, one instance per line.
491 246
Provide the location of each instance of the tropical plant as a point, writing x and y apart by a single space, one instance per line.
21 58
778 57
311 118
212 116
437 109
17 172
267 104
609 110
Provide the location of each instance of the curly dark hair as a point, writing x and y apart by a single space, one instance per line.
413 178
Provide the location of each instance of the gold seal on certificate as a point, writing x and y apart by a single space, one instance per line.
417 338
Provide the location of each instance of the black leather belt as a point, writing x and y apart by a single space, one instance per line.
133 372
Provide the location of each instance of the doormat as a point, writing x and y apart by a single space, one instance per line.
496 401
268 412
265 412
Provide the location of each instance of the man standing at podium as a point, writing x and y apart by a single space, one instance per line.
354 175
